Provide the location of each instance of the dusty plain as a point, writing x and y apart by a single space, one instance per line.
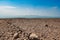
21 29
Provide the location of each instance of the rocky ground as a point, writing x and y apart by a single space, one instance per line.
29 29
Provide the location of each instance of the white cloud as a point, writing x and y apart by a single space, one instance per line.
15 11
3 7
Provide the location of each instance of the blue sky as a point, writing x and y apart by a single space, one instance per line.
14 8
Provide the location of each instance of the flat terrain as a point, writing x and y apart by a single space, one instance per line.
21 29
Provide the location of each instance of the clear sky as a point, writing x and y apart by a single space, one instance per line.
14 8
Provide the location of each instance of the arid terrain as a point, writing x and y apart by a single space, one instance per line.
29 29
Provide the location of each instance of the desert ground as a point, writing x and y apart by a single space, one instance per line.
30 29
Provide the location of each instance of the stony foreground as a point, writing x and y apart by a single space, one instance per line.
29 29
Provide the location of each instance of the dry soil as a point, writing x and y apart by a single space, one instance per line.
21 29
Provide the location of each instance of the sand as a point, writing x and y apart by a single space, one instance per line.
21 29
